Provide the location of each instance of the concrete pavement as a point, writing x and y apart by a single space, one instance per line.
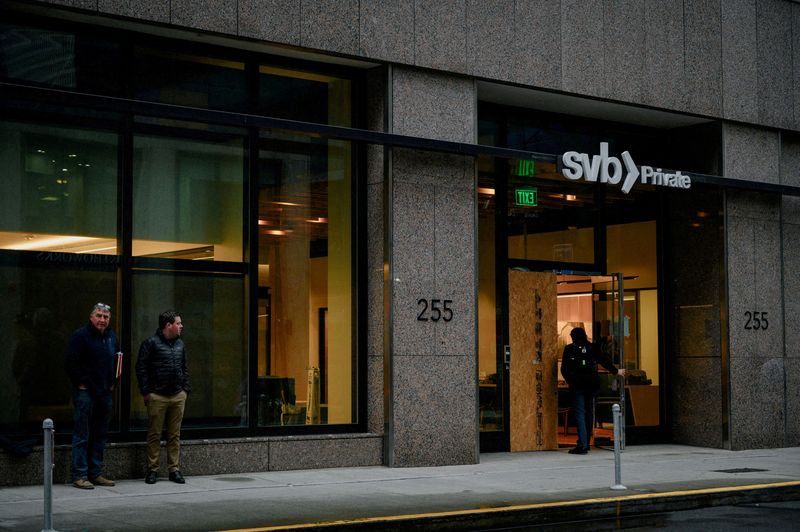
503 489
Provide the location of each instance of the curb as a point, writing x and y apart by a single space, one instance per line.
561 511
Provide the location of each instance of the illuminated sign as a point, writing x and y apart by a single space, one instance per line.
607 169
526 197
525 168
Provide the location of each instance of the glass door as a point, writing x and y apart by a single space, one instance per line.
611 330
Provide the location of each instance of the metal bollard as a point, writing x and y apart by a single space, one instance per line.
617 466
49 428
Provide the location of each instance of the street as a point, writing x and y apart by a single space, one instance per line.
773 517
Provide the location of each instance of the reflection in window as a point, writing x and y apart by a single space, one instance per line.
55 58
559 227
490 374
59 189
188 198
190 80
304 96
212 309
41 308
305 358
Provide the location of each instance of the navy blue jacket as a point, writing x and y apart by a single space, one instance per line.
91 359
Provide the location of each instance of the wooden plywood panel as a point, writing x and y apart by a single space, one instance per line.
533 381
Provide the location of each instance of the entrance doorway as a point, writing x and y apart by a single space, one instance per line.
544 307
566 245
595 303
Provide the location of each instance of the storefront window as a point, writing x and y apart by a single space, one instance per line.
158 207
42 306
490 370
305 278
188 198
172 77
212 309
59 189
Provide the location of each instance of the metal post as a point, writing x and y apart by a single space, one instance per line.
49 428
617 466
621 343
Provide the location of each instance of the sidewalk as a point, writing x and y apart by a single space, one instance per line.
504 488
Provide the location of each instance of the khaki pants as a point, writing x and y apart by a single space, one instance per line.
159 408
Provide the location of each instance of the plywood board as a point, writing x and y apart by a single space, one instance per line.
533 380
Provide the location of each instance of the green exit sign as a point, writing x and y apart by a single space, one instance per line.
525 168
526 197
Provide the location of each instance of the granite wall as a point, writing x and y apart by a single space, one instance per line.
209 457
790 226
755 244
430 223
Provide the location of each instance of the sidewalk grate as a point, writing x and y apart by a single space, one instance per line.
739 470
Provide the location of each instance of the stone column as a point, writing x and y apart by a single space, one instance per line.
790 233
430 222
755 291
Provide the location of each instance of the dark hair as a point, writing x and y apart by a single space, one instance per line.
168 316
578 335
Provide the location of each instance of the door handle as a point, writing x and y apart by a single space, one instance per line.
507 355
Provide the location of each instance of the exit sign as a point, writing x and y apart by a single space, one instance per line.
526 197
525 168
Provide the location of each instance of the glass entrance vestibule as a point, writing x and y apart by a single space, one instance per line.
638 263
545 268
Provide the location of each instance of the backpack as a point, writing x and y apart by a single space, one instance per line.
584 362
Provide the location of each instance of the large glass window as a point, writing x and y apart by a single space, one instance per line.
58 190
212 309
123 204
42 306
305 348
188 198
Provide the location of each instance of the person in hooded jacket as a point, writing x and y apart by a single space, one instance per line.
579 368
91 366
164 383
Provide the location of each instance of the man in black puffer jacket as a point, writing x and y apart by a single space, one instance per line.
164 383
579 368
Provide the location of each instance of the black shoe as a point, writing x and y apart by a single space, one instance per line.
177 478
578 450
151 477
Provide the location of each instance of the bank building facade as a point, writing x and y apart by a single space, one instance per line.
380 221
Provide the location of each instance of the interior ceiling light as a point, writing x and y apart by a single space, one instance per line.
288 203
318 220
276 232
263 222
95 250
571 197
36 243
487 191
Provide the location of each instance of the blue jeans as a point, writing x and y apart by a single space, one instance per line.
583 406
89 433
